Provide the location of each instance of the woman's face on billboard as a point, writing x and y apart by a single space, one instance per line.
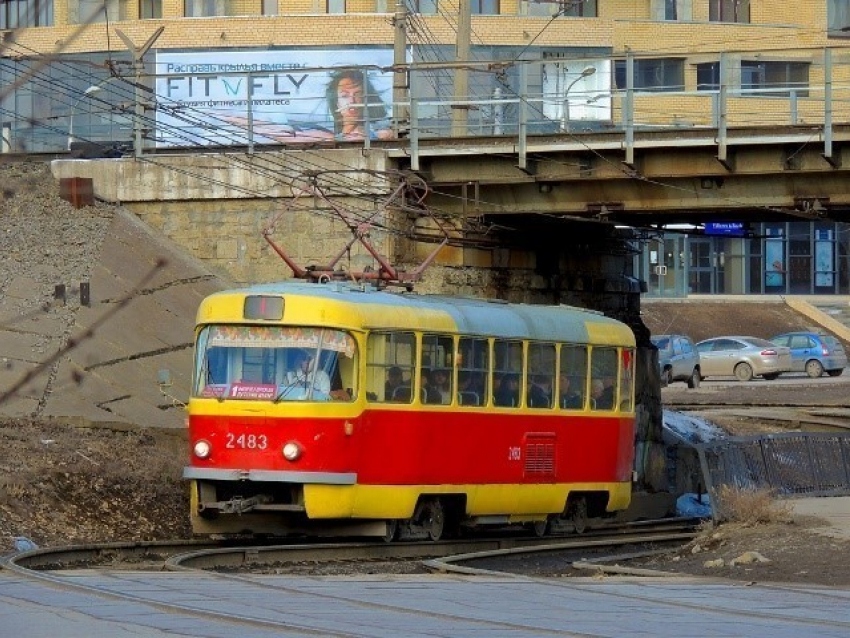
349 94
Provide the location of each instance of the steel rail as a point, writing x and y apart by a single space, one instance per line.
54 557
284 626
206 554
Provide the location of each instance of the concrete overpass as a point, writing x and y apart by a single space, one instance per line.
665 176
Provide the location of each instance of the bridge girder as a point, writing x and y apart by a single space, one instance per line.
667 183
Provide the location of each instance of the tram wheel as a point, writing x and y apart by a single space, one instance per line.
432 517
540 528
392 531
578 515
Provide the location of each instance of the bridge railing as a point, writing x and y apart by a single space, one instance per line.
519 101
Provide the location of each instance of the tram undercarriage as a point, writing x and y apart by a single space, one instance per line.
277 509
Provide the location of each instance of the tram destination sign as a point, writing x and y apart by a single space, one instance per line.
728 229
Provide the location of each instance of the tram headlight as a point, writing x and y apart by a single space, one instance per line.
202 449
292 451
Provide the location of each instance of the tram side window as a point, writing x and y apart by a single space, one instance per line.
435 373
507 373
473 364
390 364
541 375
627 380
572 377
603 382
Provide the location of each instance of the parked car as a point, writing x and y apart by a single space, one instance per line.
678 359
743 357
814 353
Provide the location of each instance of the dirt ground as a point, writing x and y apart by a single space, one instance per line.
704 319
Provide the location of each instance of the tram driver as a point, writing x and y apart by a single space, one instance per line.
304 375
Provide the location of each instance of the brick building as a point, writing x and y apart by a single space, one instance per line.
217 71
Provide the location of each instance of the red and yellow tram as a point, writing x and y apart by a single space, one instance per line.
338 408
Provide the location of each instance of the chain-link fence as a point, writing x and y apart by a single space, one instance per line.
788 464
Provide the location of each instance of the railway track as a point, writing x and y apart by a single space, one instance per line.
252 605
211 555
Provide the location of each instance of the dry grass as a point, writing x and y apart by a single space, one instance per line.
752 506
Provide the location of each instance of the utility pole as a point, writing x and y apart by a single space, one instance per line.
401 77
460 112
139 67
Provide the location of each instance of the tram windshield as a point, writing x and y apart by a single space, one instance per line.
275 363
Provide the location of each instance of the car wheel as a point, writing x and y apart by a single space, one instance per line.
693 382
667 377
744 372
814 368
835 373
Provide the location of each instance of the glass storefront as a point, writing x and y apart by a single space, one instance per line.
792 258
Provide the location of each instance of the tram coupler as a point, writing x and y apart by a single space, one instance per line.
239 505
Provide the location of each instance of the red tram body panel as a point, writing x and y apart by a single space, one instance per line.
316 406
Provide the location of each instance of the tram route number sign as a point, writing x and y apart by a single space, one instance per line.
726 229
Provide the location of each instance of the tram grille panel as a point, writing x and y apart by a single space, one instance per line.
540 455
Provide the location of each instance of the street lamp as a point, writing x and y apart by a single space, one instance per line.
585 72
94 88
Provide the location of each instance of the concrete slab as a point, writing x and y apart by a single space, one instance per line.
833 511
417 606
22 288
118 365
42 323
16 346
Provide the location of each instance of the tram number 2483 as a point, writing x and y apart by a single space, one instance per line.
247 441
514 454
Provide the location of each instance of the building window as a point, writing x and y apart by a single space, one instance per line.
26 13
150 9
838 18
85 11
670 12
485 7
207 8
729 11
774 79
336 6
661 74
775 264
544 8
708 76
425 7
270 7
580 8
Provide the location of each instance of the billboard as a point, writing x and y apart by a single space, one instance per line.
208 98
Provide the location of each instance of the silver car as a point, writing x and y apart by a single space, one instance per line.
678 359
743 357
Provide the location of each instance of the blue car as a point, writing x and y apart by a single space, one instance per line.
814 353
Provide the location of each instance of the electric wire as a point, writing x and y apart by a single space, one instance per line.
634 176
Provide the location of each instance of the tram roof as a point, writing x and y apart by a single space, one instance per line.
470 315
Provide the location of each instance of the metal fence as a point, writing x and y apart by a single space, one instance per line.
789 464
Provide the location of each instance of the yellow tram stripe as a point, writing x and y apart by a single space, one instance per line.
399 501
